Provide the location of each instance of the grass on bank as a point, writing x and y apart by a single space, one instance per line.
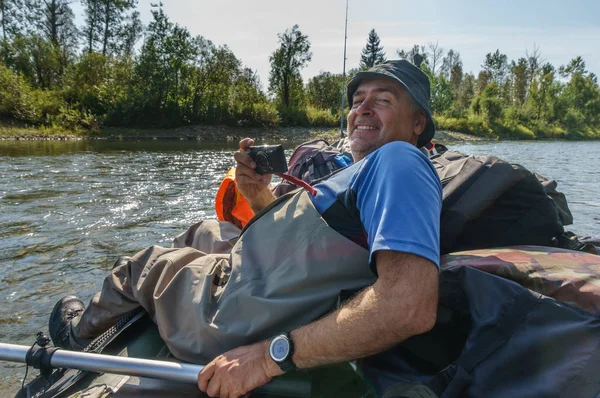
510 130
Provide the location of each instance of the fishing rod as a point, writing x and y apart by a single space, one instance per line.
344 74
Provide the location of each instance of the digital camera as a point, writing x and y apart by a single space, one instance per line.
269 159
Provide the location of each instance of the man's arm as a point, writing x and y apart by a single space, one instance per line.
400 304
253 186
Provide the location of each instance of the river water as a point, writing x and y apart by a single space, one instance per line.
69 209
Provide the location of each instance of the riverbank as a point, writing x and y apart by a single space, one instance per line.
12 132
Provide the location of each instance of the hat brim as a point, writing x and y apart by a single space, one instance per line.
429 131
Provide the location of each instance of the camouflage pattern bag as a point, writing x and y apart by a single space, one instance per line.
495 338
565 275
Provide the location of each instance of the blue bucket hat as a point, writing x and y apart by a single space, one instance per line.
413 79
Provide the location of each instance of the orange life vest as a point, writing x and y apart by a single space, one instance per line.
230 204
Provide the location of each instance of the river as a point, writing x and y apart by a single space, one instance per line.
68 209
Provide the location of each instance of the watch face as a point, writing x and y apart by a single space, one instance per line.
280 347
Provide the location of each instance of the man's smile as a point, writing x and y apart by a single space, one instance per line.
364 127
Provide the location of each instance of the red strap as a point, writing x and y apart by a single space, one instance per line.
299 182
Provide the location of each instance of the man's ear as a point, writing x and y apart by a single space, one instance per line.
420 123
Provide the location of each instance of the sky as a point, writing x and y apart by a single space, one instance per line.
561 30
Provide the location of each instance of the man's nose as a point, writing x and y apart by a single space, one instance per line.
365 108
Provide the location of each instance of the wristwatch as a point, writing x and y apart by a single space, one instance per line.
281 350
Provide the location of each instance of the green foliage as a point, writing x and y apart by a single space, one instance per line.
38 107
85 83
373 53
175 79
292 115
10 19
543 93
37 59
545 130
496 65
491 105
441 94
285 82
513 131
324 91
321 117
472 125
15 100
111 25
519 81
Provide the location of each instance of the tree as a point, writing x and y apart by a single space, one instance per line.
534 63
435 53
10 17
106 22
92 23
456 79
519 81
441 94
53 20
373 53
113 19
323 91
37 59
483 79
410 54
581 95
56 15
492 105
496 64
130 33
575 66
450 63
464 94
163 74
286 62
540 92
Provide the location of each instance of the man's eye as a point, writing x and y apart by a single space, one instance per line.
356 103
384 100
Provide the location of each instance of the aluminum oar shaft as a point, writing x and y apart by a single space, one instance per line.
164 370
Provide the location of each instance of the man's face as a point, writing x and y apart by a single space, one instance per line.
382 111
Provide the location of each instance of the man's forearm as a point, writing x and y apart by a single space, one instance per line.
262 200
381 316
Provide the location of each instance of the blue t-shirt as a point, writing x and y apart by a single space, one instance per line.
390 200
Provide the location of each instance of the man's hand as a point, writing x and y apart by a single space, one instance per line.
239 371
254 186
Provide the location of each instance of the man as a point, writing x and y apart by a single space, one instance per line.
386 205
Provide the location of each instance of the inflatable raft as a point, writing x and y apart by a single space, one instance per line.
570 277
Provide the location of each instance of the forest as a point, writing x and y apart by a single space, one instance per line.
112 71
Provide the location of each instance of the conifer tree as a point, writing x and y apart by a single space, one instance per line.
106 24
10 17
373 53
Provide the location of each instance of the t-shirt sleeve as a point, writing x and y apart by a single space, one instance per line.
399 198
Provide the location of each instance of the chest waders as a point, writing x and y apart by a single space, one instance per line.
287 269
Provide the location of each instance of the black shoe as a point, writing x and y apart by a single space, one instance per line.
59 323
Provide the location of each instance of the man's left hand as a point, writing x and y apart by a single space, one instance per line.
239 371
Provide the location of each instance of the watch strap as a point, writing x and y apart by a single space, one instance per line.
287 364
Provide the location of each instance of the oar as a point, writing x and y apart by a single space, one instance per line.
99 363
164 370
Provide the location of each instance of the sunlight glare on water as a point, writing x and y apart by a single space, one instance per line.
70 209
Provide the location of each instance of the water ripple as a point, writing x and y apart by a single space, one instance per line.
70 209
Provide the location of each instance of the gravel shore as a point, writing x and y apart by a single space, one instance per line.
200 133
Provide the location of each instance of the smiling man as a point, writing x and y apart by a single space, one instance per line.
372 229
388 202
